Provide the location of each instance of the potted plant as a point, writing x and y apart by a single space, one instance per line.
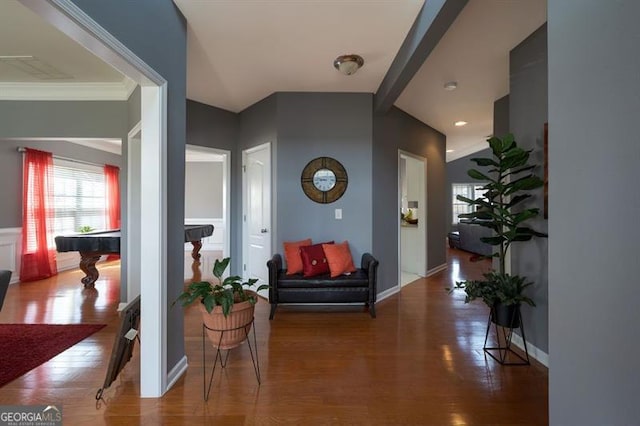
509 179
227 306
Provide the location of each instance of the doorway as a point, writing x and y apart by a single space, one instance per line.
256 211
67 17
412 233
207 192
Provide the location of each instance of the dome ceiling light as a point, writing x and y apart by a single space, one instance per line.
348 64
451 85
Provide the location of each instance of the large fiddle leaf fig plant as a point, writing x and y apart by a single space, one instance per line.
509 179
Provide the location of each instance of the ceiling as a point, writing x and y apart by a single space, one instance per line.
240 51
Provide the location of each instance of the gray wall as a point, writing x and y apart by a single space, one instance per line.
11 171
217 128
51 119
203 189
164 31
61 119
393 131
527 115
337 125
594 205
258 125
501 121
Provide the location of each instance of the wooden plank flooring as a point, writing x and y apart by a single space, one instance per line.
419 363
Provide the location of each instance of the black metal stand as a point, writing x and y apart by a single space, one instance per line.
504 335
223 364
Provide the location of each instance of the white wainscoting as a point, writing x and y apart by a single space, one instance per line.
10 243
11 249
213 242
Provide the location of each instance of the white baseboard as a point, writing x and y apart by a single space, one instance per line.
437 269
176 372
534 352
387 293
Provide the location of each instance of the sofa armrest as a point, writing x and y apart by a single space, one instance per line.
370 265
275 266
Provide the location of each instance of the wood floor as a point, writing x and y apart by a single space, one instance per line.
419 363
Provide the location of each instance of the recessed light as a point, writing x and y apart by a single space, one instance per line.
450 150
460 123
451 85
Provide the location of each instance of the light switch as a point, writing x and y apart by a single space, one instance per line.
338 213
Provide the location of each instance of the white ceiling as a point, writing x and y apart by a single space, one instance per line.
475 53
240 51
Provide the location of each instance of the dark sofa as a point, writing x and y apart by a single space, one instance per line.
470 233
359 286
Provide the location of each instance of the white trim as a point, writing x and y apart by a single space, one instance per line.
129 86
437 269
538 354
10 231
422 223
387 293
10 243
133 273
226 193
70 19
177 371
153 254
34 91
271 228
80 27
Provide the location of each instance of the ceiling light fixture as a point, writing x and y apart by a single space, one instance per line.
451 85
460 123
450 150
348 64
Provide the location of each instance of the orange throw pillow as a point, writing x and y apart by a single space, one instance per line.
339 258
292 255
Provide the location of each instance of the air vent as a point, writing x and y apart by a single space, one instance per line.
35 67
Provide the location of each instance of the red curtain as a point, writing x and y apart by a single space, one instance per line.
112 202
38 247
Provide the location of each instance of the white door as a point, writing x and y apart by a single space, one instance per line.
257 212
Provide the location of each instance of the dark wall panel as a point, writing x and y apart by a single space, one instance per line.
527 115
161 43
337 125
395 131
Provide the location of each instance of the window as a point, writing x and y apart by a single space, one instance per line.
469 190
78 197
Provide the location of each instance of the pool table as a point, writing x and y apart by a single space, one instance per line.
92 245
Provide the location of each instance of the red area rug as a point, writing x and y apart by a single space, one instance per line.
23 347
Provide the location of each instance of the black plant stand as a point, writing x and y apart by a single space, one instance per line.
223 363
504 334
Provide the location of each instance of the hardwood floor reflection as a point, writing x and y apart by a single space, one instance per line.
419 363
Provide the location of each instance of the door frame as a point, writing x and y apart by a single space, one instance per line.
70 19
245 233
226 191
423 222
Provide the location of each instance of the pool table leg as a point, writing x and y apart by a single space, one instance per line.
195 253
88 266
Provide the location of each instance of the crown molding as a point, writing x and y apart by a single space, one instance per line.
117 91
